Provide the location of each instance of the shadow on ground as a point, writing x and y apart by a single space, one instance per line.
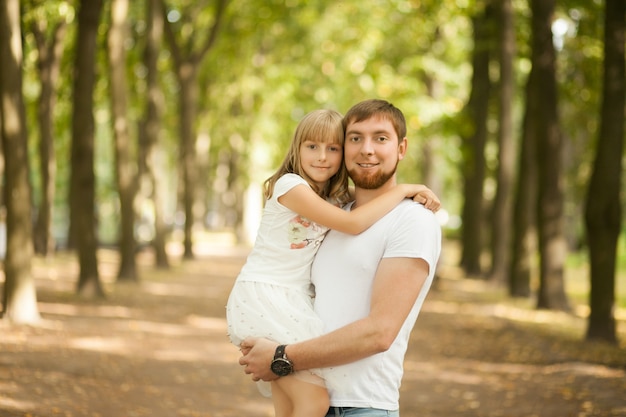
159 348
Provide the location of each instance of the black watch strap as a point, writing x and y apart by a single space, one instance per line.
280 352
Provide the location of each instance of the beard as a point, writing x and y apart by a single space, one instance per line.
371 181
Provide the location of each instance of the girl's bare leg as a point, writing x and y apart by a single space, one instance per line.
282 403
302 398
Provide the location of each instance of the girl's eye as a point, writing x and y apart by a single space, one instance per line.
334 148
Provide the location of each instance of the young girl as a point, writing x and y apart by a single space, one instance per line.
273 296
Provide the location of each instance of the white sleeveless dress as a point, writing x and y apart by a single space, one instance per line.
273 295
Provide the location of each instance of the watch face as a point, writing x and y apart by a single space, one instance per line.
281 367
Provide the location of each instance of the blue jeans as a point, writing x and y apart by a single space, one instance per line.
360 412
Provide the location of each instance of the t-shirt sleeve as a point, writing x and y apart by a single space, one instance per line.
416 233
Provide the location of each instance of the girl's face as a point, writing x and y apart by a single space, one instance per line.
320 161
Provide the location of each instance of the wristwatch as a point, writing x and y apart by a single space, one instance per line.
281 366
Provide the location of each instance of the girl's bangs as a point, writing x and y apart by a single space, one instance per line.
327 133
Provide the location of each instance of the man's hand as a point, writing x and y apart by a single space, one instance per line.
257 358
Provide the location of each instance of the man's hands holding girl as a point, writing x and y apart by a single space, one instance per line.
257 358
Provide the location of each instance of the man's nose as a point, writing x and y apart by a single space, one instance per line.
366 147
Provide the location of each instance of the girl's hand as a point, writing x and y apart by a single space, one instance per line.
424 195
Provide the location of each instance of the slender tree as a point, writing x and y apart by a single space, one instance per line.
187 62
524 246
50 52
474 140
126 170
502 212
549 153
431 160
82 183
19 298
603 212
151 177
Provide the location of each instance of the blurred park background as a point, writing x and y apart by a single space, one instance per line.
146 125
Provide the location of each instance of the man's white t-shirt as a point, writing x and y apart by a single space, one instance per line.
343 272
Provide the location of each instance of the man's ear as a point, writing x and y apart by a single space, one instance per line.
402 148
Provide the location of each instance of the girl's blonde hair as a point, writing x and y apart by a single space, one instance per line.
321 126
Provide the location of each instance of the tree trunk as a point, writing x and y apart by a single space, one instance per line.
82 183
548 139
19 299
236 186
188 109
430 161
49 65
474 147
603 208
187 62
151 174
502 212
125 170
524 213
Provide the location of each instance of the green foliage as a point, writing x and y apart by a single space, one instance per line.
292 57
276 60
47 15
579 67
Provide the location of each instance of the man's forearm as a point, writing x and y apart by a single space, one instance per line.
394 294
351 343
355 341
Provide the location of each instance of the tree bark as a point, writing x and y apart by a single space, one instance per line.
82 183
549 145
524 213
188 81
502 212
473 146
187 62
150 174
603 210
125 170
19 299
49 65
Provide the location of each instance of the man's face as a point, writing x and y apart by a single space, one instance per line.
372 150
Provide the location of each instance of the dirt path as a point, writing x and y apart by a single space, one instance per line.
160 350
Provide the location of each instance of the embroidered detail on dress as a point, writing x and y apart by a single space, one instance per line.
303 232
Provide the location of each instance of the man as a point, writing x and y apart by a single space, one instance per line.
369 287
